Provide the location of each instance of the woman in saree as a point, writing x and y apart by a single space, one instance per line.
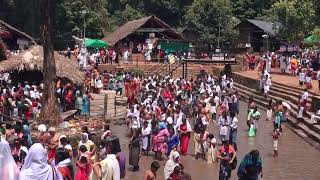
134 150
68 100
36 165
173 141
64 164
184 130
159 141
85 109
172 162
9 169
84 168
90 146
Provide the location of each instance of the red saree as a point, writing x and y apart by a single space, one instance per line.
184 140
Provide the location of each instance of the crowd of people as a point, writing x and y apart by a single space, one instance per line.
305 65
302 65
164 115
23 100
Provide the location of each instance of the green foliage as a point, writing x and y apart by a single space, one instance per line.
315 34
170 11
316 31
128 14
296 17
250 9
205 17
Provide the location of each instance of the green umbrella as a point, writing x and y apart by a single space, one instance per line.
95 43
312 39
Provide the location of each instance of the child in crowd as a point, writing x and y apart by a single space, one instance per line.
211 149
269 110
302 77
252 132
315 117
276 134
202 144
152 173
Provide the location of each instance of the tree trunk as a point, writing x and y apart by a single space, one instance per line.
2 50
50 113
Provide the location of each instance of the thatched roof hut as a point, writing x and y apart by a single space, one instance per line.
143 25
32 60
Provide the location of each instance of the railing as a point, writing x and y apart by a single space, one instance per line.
114 107
168 69
156 68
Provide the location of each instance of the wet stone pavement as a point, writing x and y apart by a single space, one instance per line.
297 159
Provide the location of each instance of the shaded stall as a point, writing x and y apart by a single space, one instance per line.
149 32
14 38
28 65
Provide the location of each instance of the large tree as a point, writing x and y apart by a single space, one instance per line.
208 17
296 18
170 11
49 112
128 14
250 9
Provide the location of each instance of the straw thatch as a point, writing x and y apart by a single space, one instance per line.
5 26
132 26
32 59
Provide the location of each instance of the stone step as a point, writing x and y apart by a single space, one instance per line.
298 90
292 101
282 90
301 127
263 102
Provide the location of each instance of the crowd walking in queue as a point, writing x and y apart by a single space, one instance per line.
164 115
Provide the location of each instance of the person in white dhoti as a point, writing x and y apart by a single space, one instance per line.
146 132
315 118
267 85
283 63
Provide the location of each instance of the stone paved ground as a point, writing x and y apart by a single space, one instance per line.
97 105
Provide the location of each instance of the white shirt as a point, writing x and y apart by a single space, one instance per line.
177 118
305 95
126 55
302 77
223 130
114 164
234 123
268 82
135 113
308 79
300 112
223 121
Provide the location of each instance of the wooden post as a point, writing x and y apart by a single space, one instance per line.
105 110
183 70
186 70
137 59
115 105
